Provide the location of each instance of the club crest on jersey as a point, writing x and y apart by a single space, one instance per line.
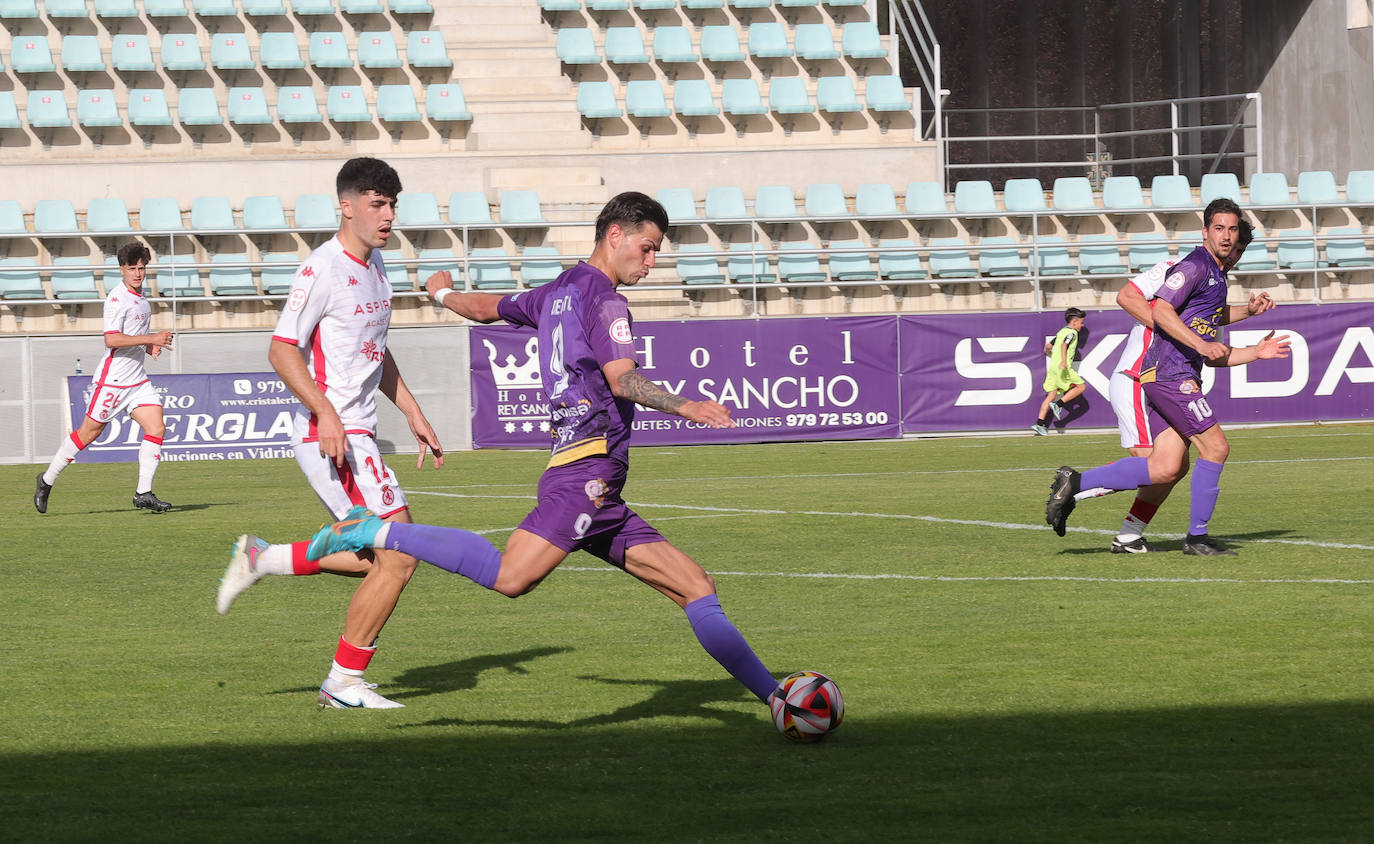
1188 387
371 352
388 497
296 300
307 271
352 282
1175 281
1156 272
620 331
596 490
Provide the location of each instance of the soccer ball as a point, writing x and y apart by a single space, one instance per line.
807 706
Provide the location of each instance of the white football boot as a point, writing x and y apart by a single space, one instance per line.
242 571
353 695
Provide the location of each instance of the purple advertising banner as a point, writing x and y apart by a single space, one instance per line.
782 379
227 416
979 372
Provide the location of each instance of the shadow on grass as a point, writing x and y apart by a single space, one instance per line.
658 771
451 676
1174 544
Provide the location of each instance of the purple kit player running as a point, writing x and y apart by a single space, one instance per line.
1189 310
589 367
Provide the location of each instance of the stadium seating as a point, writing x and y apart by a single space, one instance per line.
178 280
12 217
396 104
1141 256
875 200
214 8
1359 187
860 40
361 7
949 258
655 5
898 260
469 208
280 51
116 9
1171 192
211 213
775 201
693 98
1297 250
521 207
31 54
347 104
679 203
788 95
107 214
231 281
856 265
263 212
698 269
884 93
427 49
625 45
173 8
417 208
1257 256
130 53
644 99
745 264
181 52
277 280
329 50
9 111
836 95
799 262
1317 188
315 211
97 108
247 106
673 45
397 272
1098 254
1073 193
377 50
539 265
561 5
410 7
741 97
48 110
297 104
725 202
596 100
1052 254
1001 256
1350 252
159 214
431 261
1122 193
825 199
1019 196
229 51
18 9
768 40
490 269
750 4
815 42
577 46
77 281
1220 186
721 44
1269 189
198 107
54 216
974 197
19 279
444 103
608 5
66 9
81 53
312 8
925 199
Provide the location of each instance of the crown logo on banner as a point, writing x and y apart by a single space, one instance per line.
513 375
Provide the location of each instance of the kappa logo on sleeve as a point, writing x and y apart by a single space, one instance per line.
1175 281
620 331
296 300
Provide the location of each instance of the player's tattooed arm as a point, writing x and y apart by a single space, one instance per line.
642 391
627 383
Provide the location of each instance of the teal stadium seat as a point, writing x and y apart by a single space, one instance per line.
361 7
19 279
655 5
1359 187
644 99
73 277
775 201
898 260
836 95
396 104
31 54
875 199
1073 193
1257 256
1297 249
431 261
1317 187
297 104
974 197
312 8
1098 254
264 8
725 203
410 7
608 5
12 216
520 207
377 50
799 262
750 4
842 3
263 212
54 216
280 51
211 213
179 280
1000 257
18 9
768 40
1347 252
539 265
860 40
427 49
97 108
815 42
1021 196
1171 192
469 208
9 111
490 269
444 103
276 280
1269 189
315 211
680 205
48 110
884 93
131 53
950 258
1141 256
746 264
853 265
1122 193
697 269
417 208
229 51
596 100
397 271
561 5
347 104
576 46
1052 253
625 45
181 51
740 97
926 199
214 8
720 44
797 4
825 199
116 9
198 107
673 45
1218 186
788 95
329 49
66 8
693 98
231 281
159 214
82 53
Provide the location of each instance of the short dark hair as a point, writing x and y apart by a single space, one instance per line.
360 175
1073 313
133 252
1246 233
1220 205
630 210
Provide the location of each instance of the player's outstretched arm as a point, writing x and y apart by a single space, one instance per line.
1268 348
393 386
627 383
1258 304
290 366
478 307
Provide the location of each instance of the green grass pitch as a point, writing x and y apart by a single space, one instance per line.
1002 684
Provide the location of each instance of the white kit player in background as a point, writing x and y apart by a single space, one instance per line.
330 348
120 384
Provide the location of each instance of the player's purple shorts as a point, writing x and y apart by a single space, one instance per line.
580 509
1180 405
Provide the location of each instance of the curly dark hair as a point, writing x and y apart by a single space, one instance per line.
133 252
360 175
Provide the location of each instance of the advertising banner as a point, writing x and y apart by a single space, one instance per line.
227 416
782 379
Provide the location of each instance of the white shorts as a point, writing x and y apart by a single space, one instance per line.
105 402
363 479
1132 410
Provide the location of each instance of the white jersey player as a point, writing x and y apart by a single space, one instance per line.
330 349
120 384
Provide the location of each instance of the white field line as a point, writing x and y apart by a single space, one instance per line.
938 578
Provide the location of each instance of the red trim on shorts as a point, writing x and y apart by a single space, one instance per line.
393 512
300 563
353 657
347 431
286 340
151 439
321 378
1142 422
350 483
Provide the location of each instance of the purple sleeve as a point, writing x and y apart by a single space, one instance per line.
1179 285
519 309
609 329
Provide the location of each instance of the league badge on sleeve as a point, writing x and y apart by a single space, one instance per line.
620 331
1175 281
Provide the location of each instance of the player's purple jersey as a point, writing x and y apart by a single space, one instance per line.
1196 288
583 324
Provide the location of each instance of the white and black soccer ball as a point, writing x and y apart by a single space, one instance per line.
807 706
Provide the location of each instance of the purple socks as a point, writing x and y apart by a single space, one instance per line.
723 641
1204 489
451 549
1127 473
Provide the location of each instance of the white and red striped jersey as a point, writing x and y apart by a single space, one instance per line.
1148 283
337 314
126 312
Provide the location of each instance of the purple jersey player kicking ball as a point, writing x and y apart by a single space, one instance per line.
1190 308
587 358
